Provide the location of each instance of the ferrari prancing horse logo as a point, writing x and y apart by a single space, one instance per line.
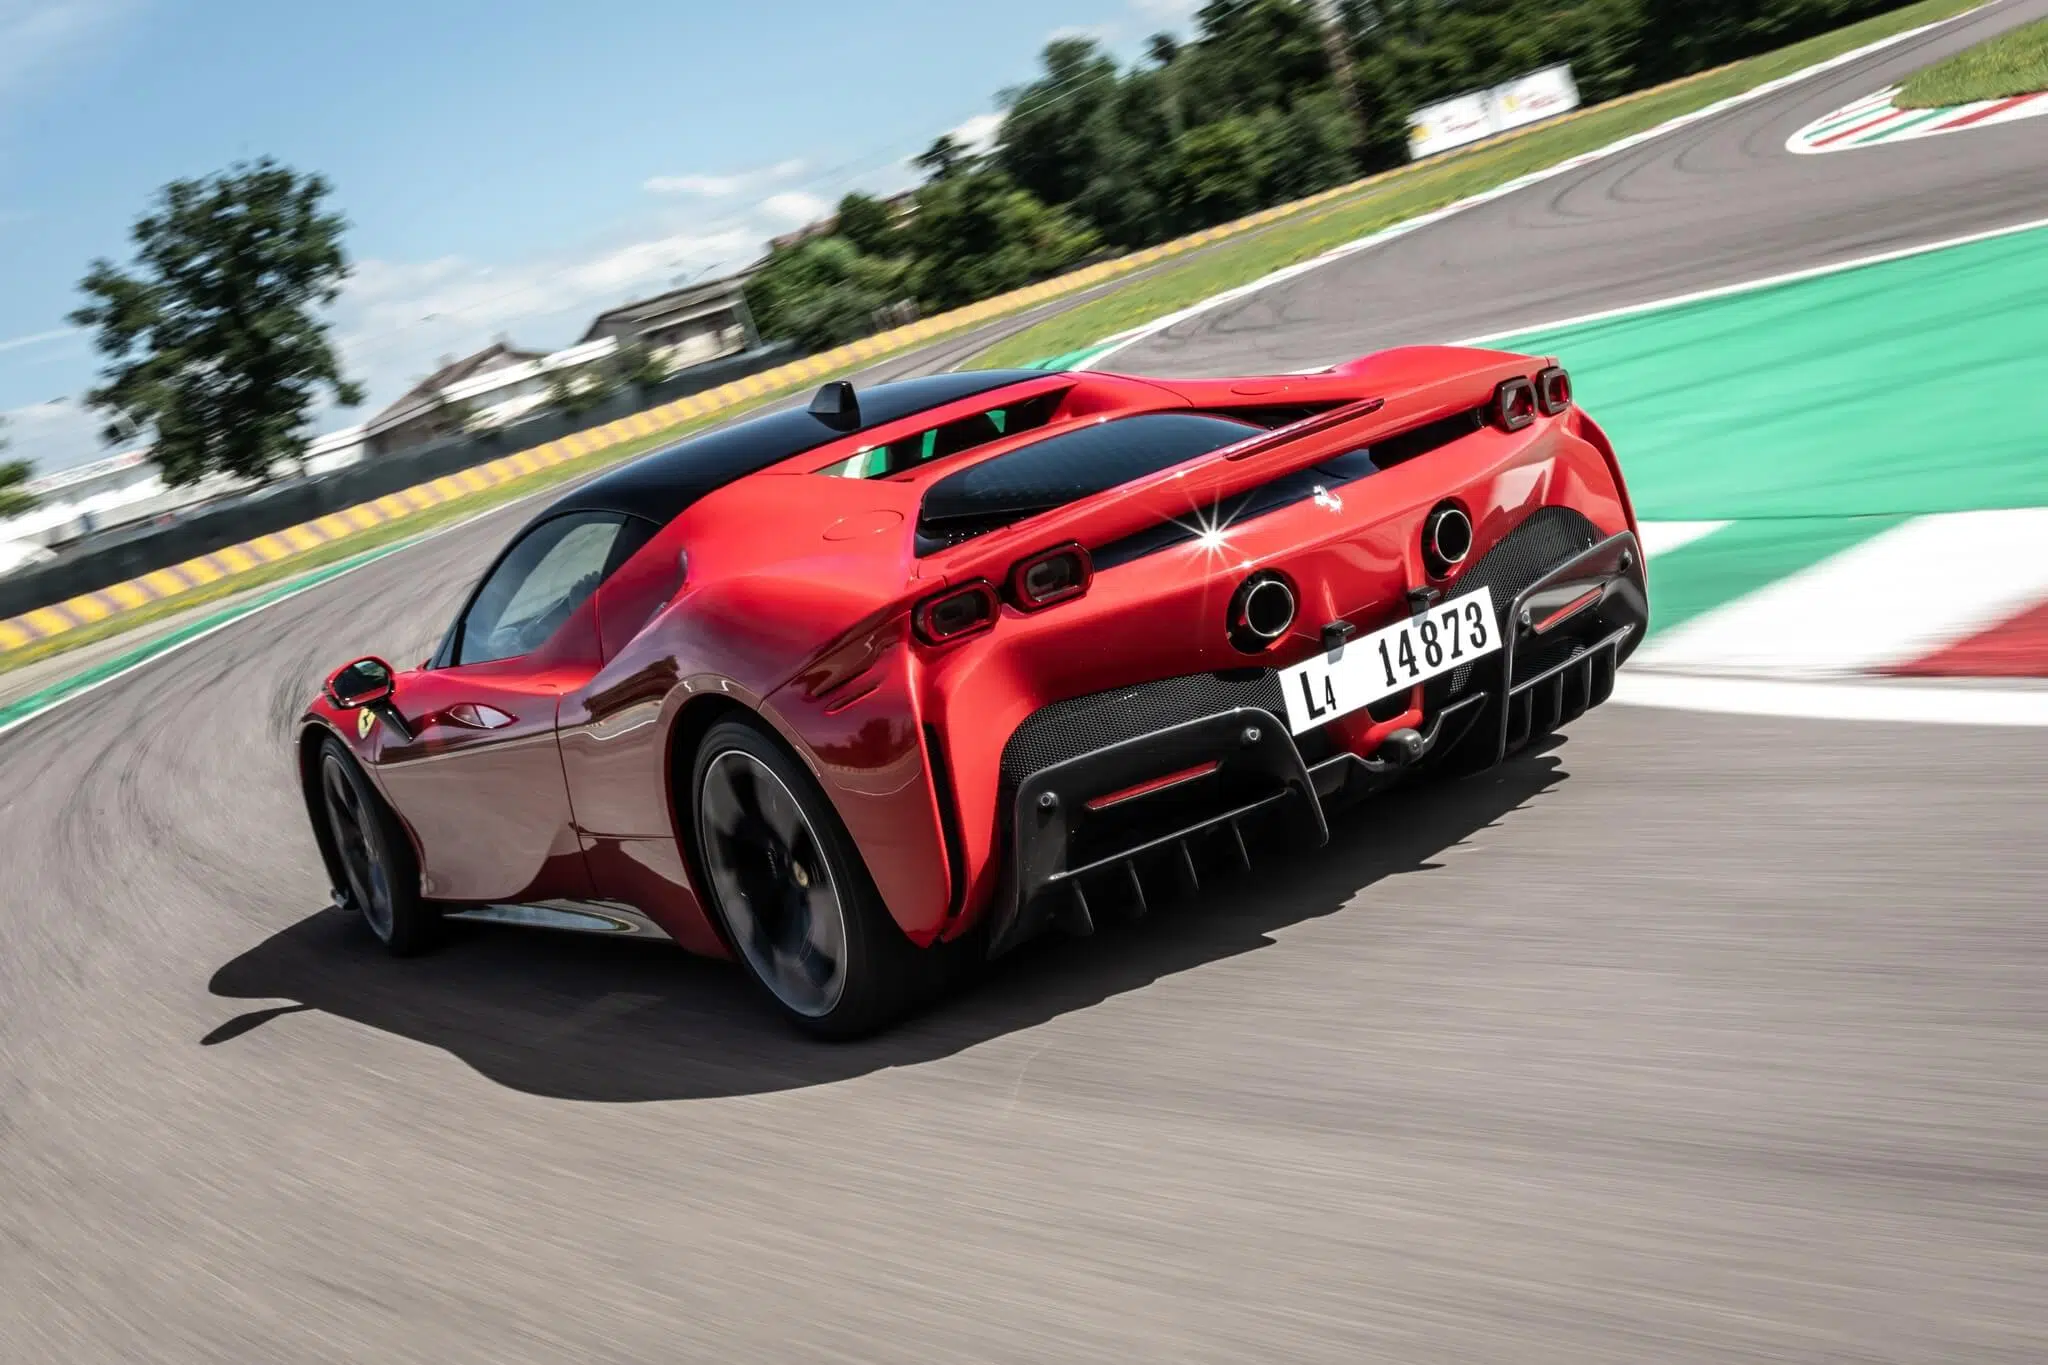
366 721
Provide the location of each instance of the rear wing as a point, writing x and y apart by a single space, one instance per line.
1064 490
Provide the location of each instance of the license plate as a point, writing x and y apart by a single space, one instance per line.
1371 667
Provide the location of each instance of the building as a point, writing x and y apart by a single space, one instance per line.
337 449
120 490
88 498
688 326
428 410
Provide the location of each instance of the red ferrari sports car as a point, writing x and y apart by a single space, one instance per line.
856 692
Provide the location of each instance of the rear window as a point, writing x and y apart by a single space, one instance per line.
952 438
1066 468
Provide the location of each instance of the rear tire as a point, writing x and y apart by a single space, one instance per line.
377 877
790 893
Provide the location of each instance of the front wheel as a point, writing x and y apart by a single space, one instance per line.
378 877
791 893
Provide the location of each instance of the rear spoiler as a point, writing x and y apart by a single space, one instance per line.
1227 472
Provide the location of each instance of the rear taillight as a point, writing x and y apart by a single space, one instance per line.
1514 405
956 614
1553 391
1050 576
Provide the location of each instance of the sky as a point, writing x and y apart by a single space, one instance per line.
506 168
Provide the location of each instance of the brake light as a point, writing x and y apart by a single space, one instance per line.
1050 576
956 614
1553 391
1514 405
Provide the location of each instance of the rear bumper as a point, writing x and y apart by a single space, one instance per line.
1102 793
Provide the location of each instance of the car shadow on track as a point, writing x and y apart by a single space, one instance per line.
578 1018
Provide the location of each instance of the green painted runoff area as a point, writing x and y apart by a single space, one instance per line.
1902 388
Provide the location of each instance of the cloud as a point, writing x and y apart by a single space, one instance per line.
35 35
794 207
53 435
41 414
396 320
710 186
723 186
393 297
978 134
40 338
1167 11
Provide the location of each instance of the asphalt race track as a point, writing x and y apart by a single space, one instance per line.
1718 203
1691 1038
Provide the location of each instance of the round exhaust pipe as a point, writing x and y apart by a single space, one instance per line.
1446 539
1269 609
1261 611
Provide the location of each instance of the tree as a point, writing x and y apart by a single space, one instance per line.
1254 55
1130 197
576 391
943 159
1050 142
14 476
638 366
979 234
867 222
1221 170
823 292
1306 149
214 344
1337 49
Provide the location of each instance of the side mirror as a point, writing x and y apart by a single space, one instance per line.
362 683
367 685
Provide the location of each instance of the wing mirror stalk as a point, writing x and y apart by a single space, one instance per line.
367 685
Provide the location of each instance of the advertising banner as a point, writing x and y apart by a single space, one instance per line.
1538 96
1474 118
1454 123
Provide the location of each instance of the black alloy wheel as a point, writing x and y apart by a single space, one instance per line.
378 875
789 891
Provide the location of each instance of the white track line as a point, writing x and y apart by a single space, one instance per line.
1896 704
1898 596
1402 229
1961 118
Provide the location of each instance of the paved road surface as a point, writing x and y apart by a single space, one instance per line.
1693 1038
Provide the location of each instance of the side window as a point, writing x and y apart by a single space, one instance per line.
535 587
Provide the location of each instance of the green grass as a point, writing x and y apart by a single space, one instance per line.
2014 63
440 514
1415 190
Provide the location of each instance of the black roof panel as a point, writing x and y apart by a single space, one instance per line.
661 486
